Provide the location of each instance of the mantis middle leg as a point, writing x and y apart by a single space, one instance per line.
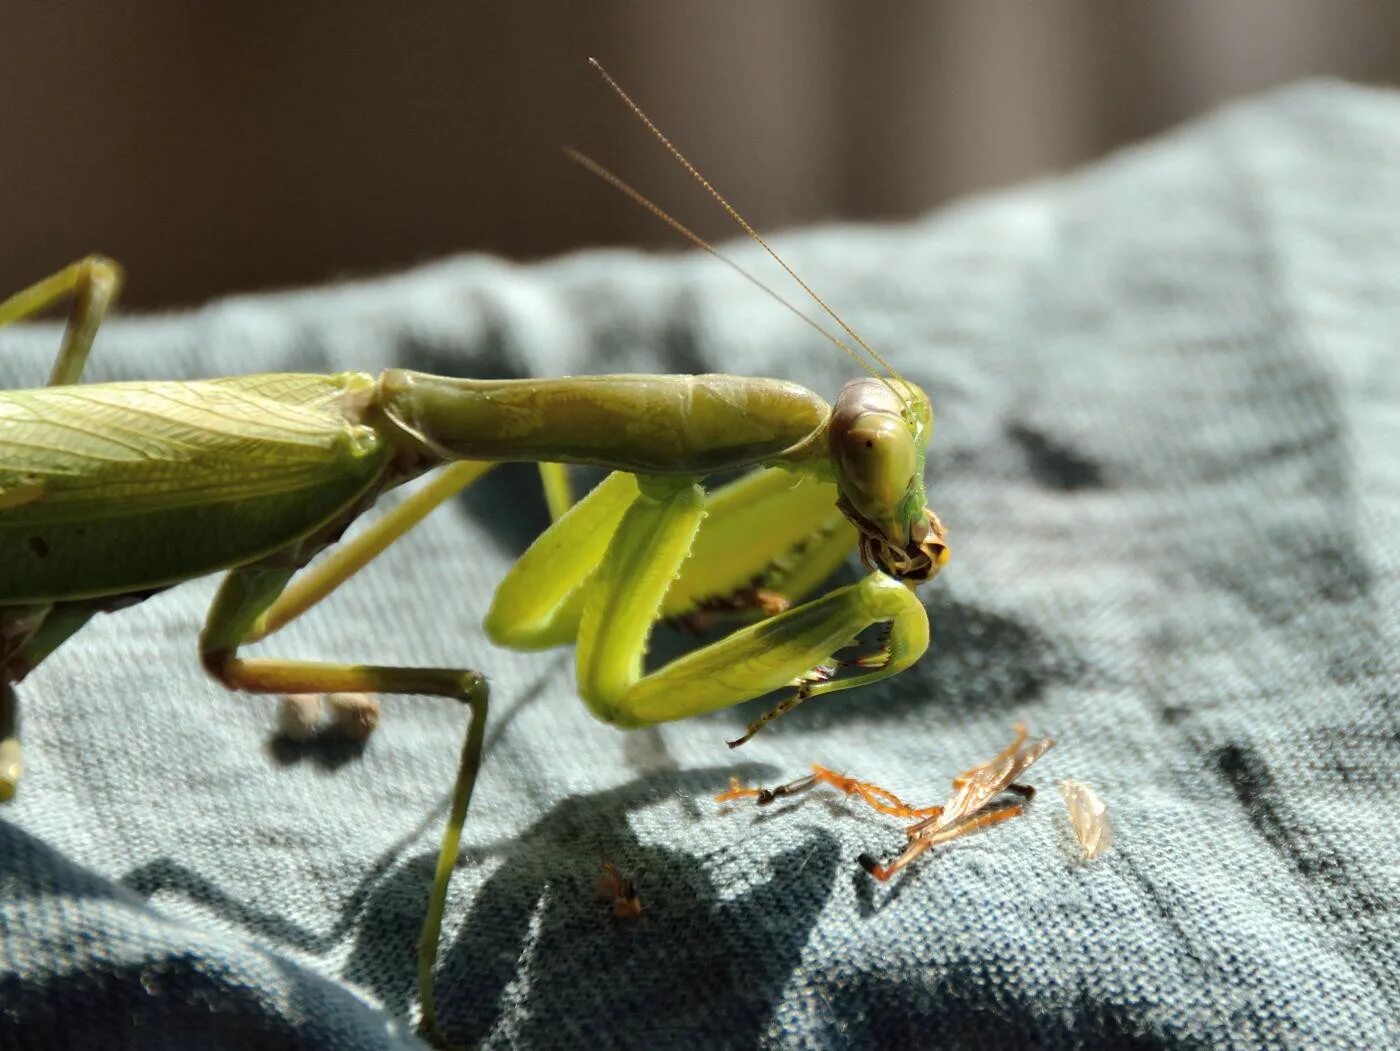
244 599
254 602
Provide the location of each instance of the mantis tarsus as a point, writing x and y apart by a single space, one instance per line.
112 492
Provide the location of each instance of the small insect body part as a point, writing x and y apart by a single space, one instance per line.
255 476
737 790
754 599
975 788
11 767
765 796
1089 817
346 716
299 717
918 844
353 716
11 763
621 891
880 799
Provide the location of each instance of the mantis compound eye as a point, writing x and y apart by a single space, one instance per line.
878 459
877 442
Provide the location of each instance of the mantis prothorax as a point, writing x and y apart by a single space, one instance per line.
112 492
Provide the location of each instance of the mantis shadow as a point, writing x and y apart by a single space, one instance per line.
166 873
540 957
328 754
956 1006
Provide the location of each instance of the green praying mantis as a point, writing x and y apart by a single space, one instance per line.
111 492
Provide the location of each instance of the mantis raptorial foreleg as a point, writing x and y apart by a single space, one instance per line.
605 571
93 283
770 526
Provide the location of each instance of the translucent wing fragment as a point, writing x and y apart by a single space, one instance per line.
977 787
1089 816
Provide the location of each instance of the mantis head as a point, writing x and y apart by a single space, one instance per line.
878 433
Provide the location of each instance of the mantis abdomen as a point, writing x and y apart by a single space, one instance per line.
114 488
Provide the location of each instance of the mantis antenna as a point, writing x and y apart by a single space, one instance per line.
733 214
675 224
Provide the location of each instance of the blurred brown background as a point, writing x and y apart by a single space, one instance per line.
222 147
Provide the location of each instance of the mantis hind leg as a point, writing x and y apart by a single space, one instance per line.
93 283
35 632
244 597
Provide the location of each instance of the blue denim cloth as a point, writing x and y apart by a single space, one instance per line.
1168 452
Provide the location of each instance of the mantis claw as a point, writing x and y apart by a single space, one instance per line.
824 672
803 691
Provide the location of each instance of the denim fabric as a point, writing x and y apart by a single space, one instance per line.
1168 452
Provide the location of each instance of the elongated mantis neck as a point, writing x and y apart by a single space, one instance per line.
660 425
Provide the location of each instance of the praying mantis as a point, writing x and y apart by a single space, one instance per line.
112 492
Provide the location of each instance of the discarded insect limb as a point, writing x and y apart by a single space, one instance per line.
621 891
880 799
973 789
1089 817
967 810
972 806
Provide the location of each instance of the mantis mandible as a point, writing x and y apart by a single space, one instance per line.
112 492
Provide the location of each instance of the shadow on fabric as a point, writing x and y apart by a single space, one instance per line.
538 954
